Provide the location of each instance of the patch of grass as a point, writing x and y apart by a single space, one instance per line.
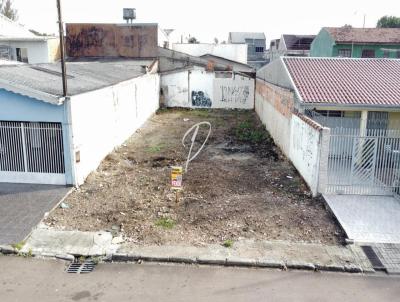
201 112
228 243
165 223
18 246
247 132
162 110
155 149
29 254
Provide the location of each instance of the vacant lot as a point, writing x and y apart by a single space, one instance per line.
240 186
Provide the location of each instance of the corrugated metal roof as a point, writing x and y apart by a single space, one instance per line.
348 34
240 37
82 76
346 81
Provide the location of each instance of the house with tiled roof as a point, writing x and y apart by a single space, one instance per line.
339 86
337 114
353 42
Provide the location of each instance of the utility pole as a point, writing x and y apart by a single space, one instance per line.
62 49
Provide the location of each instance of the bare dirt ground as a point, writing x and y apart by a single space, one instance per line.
240 186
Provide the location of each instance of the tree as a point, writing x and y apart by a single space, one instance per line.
7 10
388 22
193 40
216 40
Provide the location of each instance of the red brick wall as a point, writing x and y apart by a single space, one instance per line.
282 99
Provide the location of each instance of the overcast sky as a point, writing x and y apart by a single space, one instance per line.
206 19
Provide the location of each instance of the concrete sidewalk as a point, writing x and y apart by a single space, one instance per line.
367 219
247 253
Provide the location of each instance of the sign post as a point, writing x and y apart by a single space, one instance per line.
176 180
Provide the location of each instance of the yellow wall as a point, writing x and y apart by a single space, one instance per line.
54 49
394 120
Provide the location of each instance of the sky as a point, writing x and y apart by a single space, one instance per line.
209 19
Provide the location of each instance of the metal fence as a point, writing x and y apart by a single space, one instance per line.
31 147
364 164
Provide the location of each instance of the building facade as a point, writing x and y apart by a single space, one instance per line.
256 46
50 139
357 42
17 43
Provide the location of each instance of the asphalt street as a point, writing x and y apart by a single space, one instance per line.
28 279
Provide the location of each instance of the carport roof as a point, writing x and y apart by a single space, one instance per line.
44 81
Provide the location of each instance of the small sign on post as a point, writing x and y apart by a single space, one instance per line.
176 180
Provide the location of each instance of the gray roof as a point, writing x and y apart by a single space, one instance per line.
44 81
236 65
240 37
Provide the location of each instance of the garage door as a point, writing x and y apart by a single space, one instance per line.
31 153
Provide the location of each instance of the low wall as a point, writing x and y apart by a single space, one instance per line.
103 119
305 145
302 140
201 89
274 106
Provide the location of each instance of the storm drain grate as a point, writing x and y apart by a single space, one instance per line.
373 257
81 268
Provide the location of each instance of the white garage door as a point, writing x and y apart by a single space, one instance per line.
31 153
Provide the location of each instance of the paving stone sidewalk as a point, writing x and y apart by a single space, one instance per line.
248 253
22 207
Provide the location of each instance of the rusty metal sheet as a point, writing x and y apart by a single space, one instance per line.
112 40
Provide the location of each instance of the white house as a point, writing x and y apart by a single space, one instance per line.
17 43
51 139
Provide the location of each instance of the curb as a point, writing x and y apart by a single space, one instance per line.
8 250
218 261
238 262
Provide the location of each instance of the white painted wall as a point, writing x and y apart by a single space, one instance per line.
38 51
234 52
201 89
237 92
175 89
105 118
305 151
276 124
304 143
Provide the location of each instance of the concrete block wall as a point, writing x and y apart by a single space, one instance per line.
302 140
198 88
274 106
103 119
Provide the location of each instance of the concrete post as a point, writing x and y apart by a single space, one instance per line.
324 160
363 123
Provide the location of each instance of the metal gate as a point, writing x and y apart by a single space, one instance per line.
364 164
31 153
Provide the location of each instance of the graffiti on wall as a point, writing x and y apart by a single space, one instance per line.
235 94
200 99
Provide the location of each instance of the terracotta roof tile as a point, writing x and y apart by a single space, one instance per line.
374 82
364 35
